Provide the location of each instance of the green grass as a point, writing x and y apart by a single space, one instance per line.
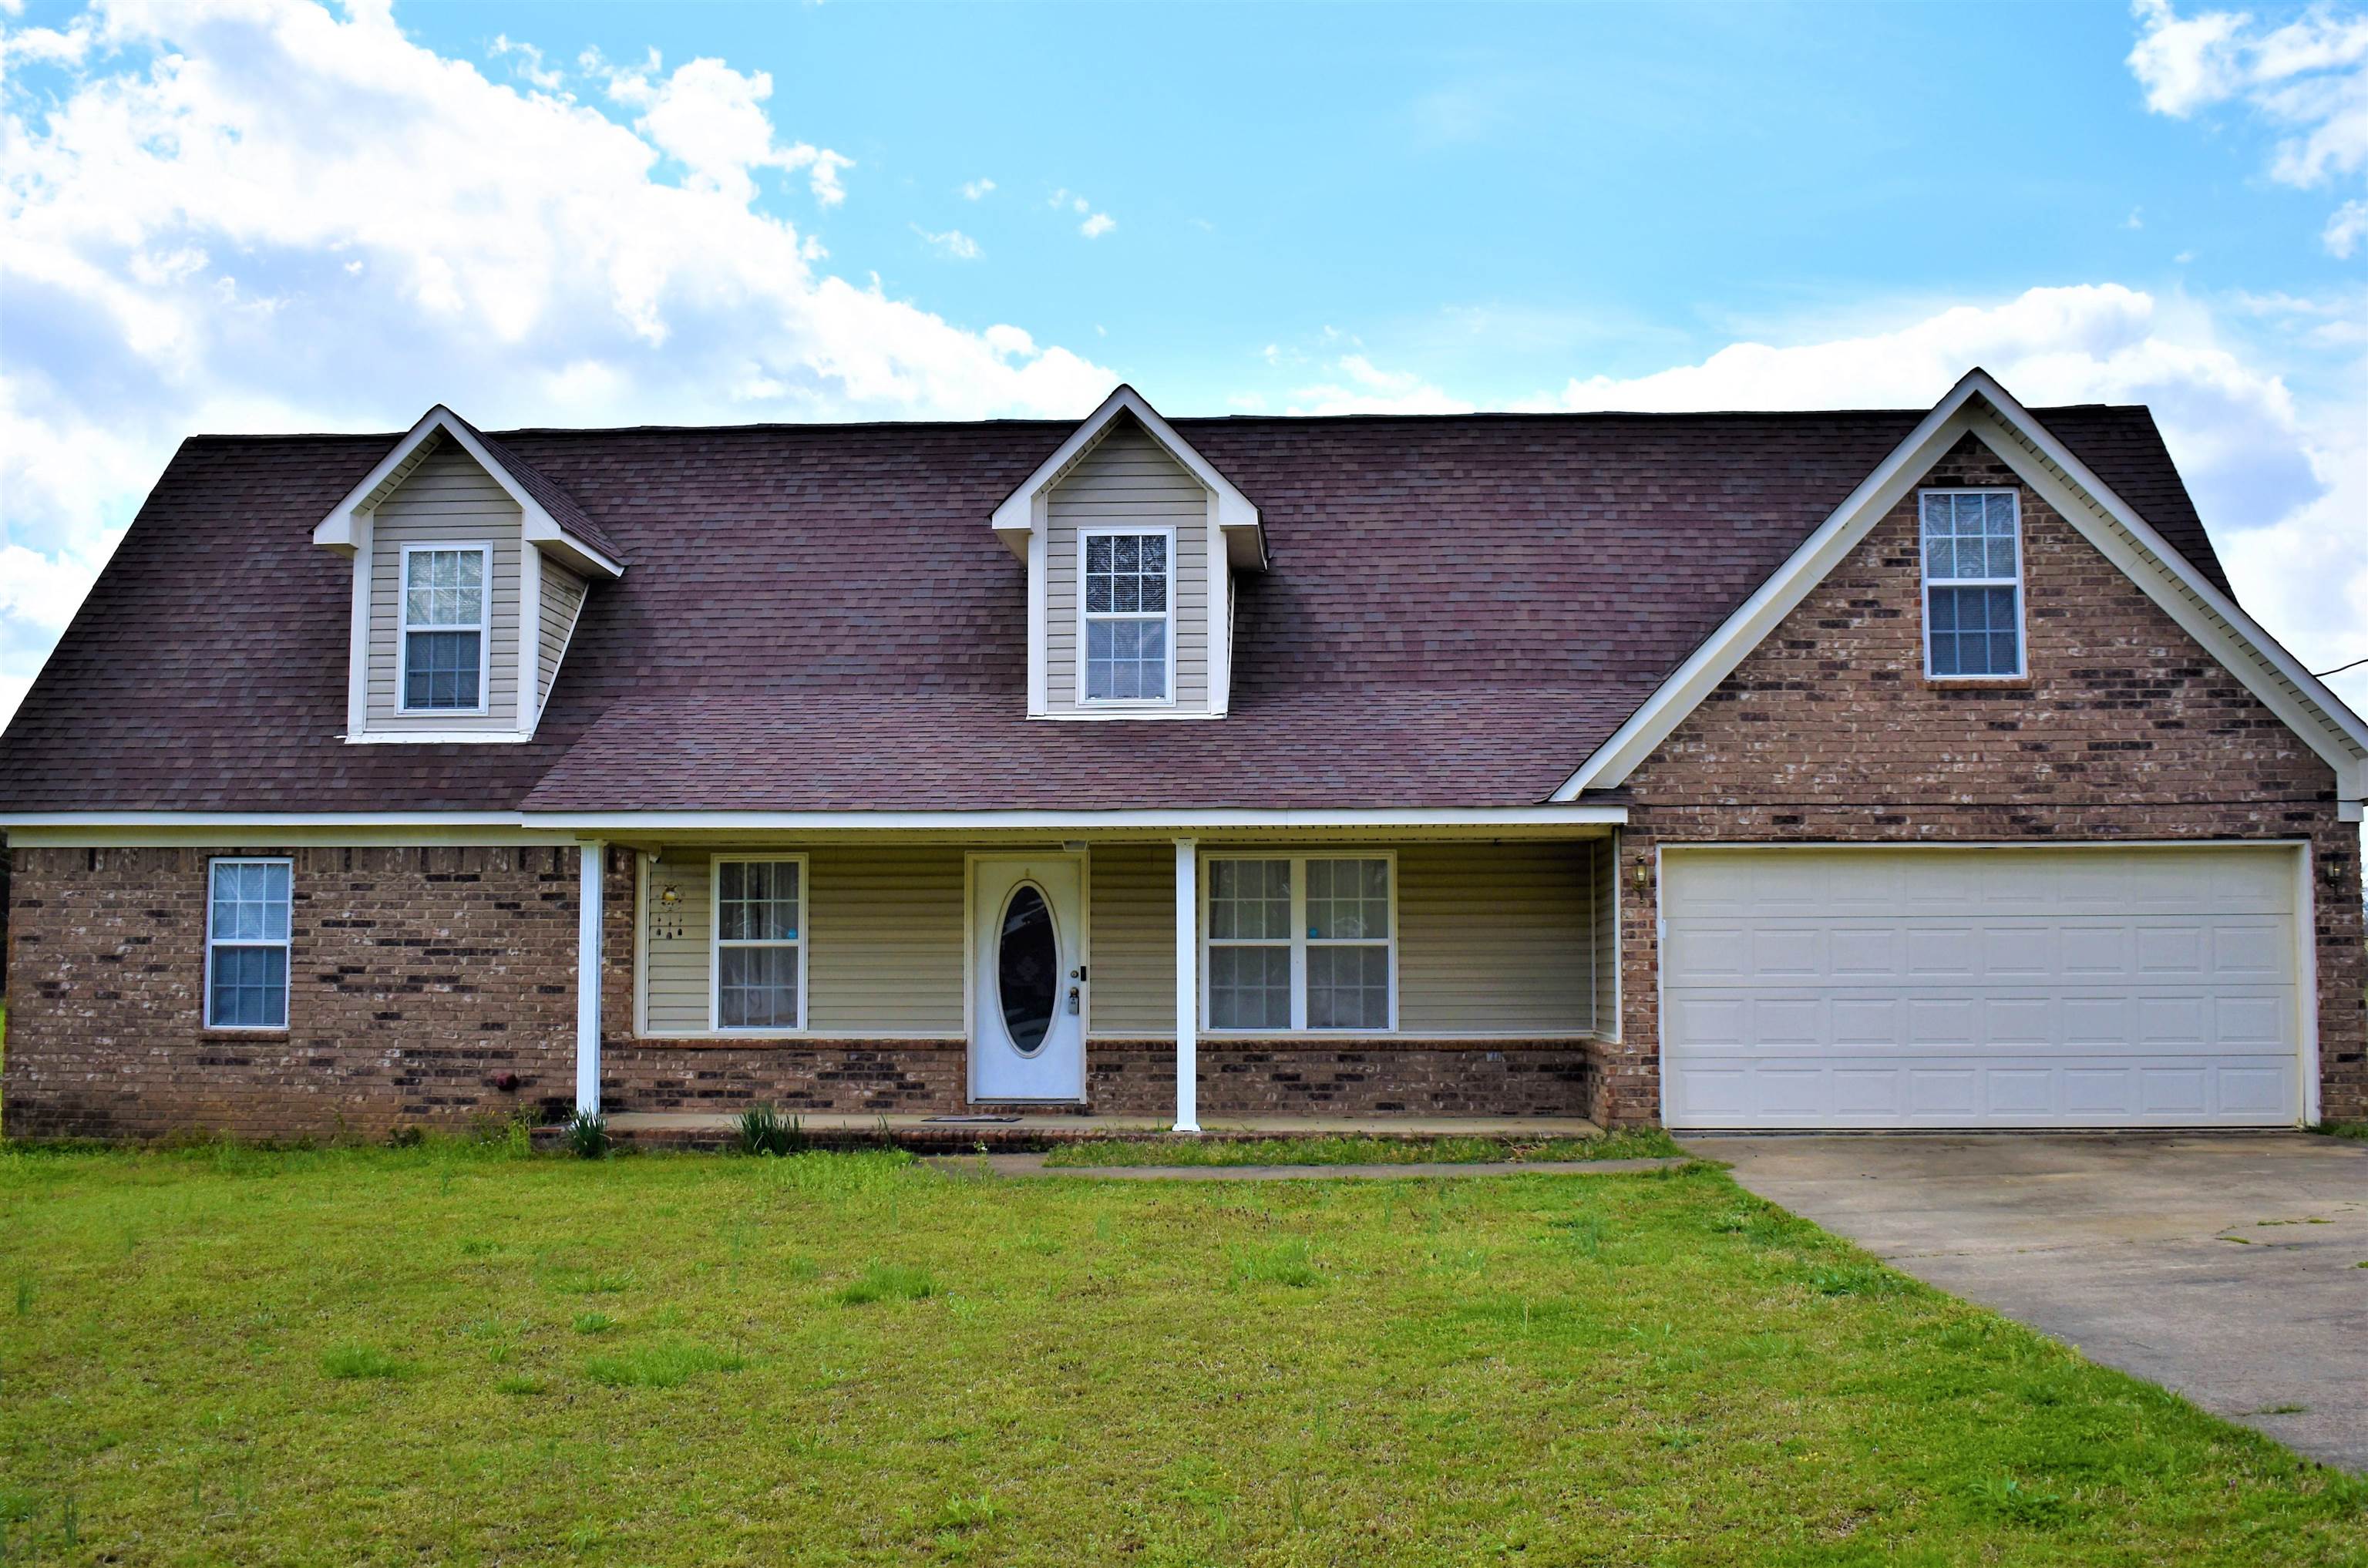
849 1358
1636 1143
2355 1130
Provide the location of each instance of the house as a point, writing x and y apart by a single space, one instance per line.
1843 769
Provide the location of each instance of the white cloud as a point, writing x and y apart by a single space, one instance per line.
977 189
2282 490
2308 78
712 119
952 243
253 215
2136 220
2345 229
1097 225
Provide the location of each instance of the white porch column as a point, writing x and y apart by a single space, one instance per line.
591 857
1187 986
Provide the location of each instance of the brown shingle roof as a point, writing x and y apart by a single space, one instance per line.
819 618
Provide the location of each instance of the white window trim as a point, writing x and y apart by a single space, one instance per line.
1123 530
483 629
716 864
1924 576
1299 941
286 944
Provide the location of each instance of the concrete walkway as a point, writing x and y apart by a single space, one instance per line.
1034 1165
2225 1266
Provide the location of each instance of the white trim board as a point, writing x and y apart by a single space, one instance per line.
1979 406
166 829
1584 819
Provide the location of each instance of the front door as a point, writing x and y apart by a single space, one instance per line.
1027 979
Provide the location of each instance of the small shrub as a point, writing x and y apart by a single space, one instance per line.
1286 1263
888 1282
410 1135
587 1135
667 1364
764 1131
364 1361
594 1323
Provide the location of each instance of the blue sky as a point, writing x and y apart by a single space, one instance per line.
1496 198
258 214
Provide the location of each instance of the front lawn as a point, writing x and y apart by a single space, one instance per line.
447 1355
1637 1143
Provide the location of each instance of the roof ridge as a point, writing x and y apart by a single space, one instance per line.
1476 416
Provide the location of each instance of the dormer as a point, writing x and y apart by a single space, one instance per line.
470 571
1133 540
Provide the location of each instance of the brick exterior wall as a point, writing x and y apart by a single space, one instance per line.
1376 1078
420 980
2126 730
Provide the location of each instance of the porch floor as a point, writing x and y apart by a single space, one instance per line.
709 1129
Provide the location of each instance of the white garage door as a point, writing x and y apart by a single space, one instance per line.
2057 987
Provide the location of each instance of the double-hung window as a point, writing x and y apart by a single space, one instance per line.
444 627
247 944
759 956
1299 942
1129 614
1973 583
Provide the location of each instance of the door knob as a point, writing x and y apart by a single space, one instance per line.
1072 1001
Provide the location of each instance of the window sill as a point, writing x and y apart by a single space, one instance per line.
1979 683
243 1031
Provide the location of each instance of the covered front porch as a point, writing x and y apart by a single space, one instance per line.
1100 982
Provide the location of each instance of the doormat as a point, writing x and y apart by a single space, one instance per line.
970 1118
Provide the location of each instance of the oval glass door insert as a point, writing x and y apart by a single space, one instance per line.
1027 968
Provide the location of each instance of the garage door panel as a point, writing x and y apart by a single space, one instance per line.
2016 1093
2022 988
1862 952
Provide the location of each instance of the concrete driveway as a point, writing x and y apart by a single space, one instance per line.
2225 1266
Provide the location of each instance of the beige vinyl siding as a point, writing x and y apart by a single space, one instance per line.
563 601
1494 940
1127 479
884 929
1133 921
447 499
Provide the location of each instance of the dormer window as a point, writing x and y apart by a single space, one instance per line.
470 569
445 618
1134 543
1129 614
